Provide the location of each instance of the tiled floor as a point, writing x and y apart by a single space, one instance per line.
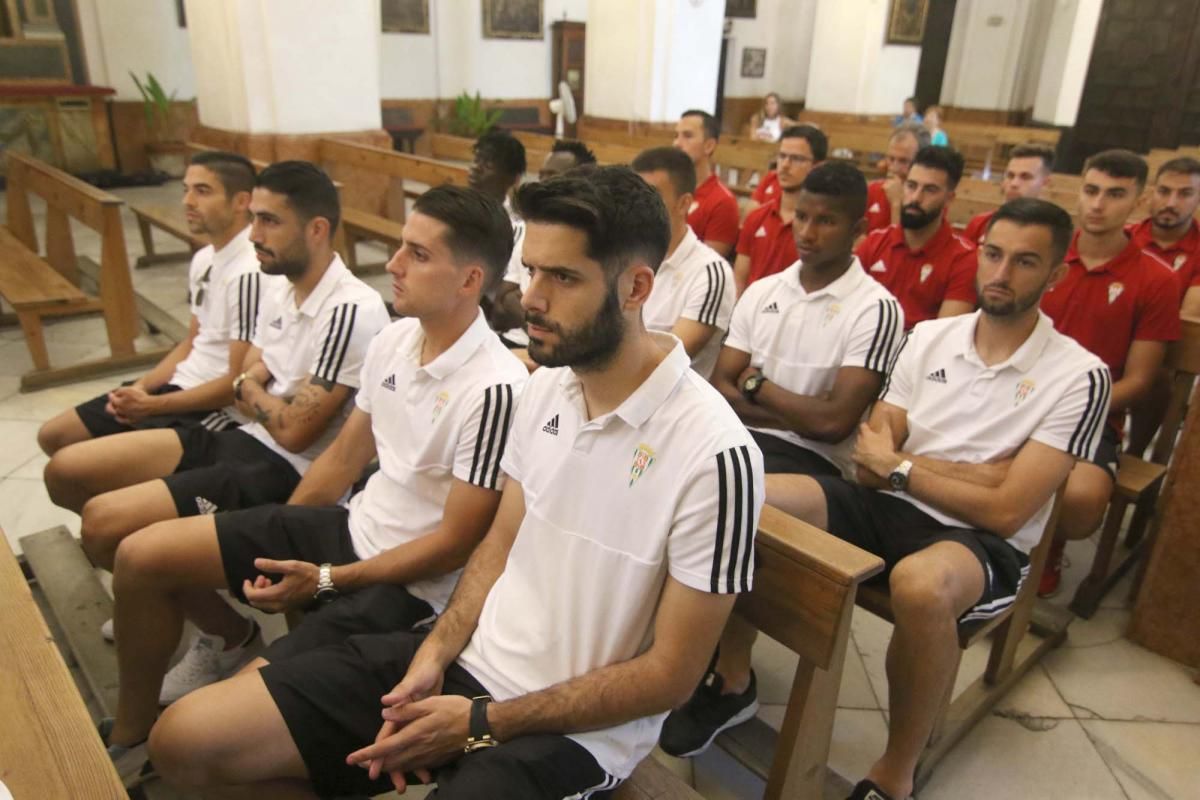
1099 718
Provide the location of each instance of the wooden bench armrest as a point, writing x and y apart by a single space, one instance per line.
813 548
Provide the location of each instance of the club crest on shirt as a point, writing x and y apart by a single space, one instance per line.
439 403
874 209
1179 259
878 266
761 233
692 208
643 457
1024 389
831 311
1114 291
770 190
926 269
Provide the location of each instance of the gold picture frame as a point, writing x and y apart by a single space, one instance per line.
404 16
512 19
906 21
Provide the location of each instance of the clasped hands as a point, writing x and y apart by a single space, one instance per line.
875 454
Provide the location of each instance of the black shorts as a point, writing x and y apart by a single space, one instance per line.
329 699
227 471
782 456
1108 451
100 423
893 528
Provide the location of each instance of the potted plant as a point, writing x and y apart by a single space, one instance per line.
167 125
469 117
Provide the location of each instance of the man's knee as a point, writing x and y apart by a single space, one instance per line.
53 436
1085 498
139 556
65 473
102 525
923 589
185 749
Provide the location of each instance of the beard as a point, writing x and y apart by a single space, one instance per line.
588 347
913 217
291 263
1012 307
1170 219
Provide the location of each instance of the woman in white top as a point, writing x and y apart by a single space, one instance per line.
768 123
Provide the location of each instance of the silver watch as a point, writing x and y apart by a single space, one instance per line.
898 478
326 591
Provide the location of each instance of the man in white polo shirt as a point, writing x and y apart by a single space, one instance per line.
304 364
806 354
981 421
437 394
625 470
191 385
693 288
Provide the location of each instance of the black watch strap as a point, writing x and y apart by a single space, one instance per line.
478 730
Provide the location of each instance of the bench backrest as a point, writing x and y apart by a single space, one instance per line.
389 162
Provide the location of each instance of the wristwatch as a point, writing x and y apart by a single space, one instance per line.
898 478
237 385
326 591
479 733
752 384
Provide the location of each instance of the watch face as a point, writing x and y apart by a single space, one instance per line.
898 480
328 593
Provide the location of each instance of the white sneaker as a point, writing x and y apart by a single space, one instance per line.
106 630
207 661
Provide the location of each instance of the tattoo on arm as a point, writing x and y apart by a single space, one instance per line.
261 415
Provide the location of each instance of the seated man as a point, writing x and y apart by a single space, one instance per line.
497 170
805 357
566 154
1029 168
437 393
980 422
693 289
920 260
191 384
766 246
622 467
1121 303
308 349
886 195
713 215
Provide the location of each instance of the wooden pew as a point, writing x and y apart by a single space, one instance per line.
45 287
171 221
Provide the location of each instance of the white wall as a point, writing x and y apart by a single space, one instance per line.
615 64
851 69
785 29
1072 32
124 35
993 46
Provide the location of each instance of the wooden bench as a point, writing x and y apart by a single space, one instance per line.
171 221
48 743
47 287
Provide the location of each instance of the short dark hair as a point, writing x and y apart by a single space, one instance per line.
622 215
308 189
946 159
576 148
913 129
1031 211
1119 163
712 125
479 227
233 170
818 142
841 180
912 100
675 163
1184 165
1034 150
503 151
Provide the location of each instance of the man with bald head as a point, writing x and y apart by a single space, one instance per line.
885 196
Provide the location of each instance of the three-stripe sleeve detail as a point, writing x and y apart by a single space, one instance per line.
887 330
733 554
492 436
248 290
891 367
337 342
710 310
1094 413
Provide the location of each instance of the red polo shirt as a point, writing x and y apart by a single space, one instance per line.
879 208
767 189
768 240
975 229
1133 297
944 269
713 216
1183 257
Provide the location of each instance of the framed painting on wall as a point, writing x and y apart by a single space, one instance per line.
740 8
754 62
404 16
906 21
512 19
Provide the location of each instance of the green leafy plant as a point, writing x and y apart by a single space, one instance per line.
470 118
157 103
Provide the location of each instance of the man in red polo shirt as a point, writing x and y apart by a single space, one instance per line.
1029 167
1122 303
885 195
920 260
766 245
767 189
714 213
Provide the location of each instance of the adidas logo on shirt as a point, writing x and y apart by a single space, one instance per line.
389 382
277 323
551 427
773 308
761 233
874 209
937 376
205 506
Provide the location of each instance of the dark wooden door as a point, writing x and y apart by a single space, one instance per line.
568 63
935 44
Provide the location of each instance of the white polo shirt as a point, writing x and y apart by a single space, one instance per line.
326 337
800 340
223 293
1051 390
694 283
448 419
668 483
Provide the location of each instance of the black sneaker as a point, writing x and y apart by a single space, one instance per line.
868 790
132 763
690 729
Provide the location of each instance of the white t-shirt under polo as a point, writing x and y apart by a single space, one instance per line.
693 283
669 483
223 293
326 337
448 419
800 340
1051 390
516 272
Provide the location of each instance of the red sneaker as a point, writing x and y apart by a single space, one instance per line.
1052 573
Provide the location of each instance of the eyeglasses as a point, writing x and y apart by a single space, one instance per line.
793 158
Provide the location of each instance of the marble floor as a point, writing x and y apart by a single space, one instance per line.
1099 718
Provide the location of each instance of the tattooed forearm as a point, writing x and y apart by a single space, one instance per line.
261 415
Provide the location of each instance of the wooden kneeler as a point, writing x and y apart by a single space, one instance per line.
1016 646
